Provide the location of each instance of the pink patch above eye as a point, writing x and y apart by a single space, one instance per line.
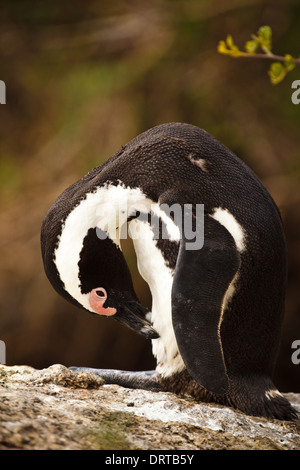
97 299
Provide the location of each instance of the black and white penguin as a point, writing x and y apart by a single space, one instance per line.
217 298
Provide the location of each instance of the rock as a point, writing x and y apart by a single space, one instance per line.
55 408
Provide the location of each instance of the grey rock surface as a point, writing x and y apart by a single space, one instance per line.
55 408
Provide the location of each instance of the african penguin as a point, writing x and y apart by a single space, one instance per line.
217 288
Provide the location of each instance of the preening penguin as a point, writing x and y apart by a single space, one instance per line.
210 244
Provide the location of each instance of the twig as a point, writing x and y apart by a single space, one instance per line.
261 55
263 39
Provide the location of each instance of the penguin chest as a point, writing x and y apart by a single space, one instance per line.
159 276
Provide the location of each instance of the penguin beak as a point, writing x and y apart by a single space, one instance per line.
132 314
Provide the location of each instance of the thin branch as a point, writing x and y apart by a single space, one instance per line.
263 39
262 55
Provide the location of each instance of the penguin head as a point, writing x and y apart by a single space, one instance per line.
89 270
106 279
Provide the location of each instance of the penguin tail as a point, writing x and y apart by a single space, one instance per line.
257 396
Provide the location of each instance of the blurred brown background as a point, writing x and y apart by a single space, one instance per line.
82 79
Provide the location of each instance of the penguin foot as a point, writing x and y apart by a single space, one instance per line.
260 397
145 380
274 408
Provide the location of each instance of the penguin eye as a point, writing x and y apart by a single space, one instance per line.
101 292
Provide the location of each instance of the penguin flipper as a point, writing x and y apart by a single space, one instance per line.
201 280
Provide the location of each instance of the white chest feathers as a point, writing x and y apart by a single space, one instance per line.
159 277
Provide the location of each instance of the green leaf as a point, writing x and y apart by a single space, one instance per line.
277 72
235 52
264 36
229 48
266 33
222 49
289 62
251 46
229 42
